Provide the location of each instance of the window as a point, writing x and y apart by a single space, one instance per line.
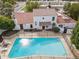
54 24
21 26
61 26
35 23
31 26
53 18
43 18
46 26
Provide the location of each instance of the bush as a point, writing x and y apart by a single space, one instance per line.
31 5
6 23
55 29
75 36
9 33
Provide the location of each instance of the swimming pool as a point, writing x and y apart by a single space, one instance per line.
37 47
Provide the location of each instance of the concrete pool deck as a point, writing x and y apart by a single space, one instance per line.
23 34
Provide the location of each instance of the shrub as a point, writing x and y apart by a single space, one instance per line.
31 5
75 36
55 29
6 23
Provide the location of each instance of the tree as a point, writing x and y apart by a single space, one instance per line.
75 36
6 23
31 5
32 0
1 7
67 7
12 2
7 10
6 7
72 10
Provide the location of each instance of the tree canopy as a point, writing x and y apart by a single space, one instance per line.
6 23
67 7
31 5
33 0
72 10
6 7
7 10
10 1
75 36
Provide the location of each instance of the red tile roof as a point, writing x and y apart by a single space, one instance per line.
24 18
60 19
44 12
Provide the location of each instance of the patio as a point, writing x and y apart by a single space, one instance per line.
23 34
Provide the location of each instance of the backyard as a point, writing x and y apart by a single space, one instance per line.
46 34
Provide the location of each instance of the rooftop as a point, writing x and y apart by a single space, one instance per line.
44 12
62 18
23 18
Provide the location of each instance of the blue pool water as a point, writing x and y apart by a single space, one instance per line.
37 46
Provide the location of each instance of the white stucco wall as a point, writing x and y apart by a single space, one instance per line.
68 25
26 26
17 26
38 19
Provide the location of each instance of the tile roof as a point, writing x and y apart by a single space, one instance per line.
68 20
62 18
23 18
44 12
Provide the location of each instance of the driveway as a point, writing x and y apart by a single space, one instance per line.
19 6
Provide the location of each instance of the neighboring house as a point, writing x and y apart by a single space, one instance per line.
65 21
23 20
42 19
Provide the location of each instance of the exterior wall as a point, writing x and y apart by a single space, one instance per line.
38 19
17 26
68 25
27 26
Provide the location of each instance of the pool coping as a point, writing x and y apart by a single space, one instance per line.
43 55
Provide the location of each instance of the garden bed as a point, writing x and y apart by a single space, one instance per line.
32 30
9 33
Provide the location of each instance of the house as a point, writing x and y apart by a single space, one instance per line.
38 19
42 19
65 21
